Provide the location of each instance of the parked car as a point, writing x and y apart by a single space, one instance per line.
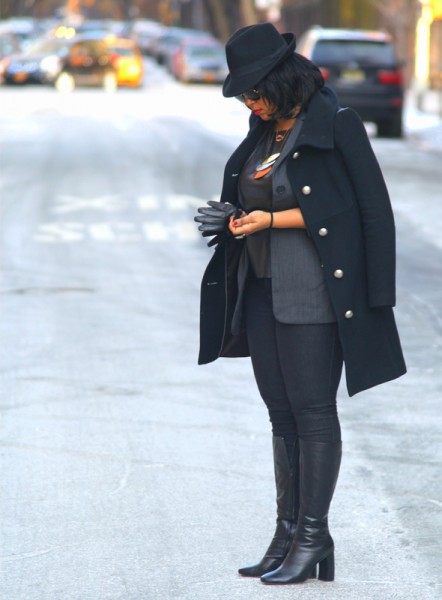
9 45
39 63
144 32
362 68
88 63
95 28
26 29
200 60
166 45
127 60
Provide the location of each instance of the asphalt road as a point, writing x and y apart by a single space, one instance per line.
127 471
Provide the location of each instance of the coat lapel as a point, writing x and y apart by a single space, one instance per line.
317 130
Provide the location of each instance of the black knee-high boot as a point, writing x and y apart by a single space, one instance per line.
287 501
313 543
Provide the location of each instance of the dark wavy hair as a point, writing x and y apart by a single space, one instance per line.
291 85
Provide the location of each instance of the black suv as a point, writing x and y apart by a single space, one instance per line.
88 62
362 69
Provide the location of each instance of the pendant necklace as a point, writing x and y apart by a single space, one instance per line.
266 165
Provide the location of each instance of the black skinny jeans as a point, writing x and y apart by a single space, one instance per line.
297 369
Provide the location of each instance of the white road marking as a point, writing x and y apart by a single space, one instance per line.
148 202
115 203
102 232
59 232
186 230
156 231
127 231
177 202
122 231
105 232
107 203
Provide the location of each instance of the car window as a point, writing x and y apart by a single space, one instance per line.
7 46
79 50
121 51
89 49
342 51
205 52
46 47
170 40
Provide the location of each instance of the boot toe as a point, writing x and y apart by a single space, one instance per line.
265 566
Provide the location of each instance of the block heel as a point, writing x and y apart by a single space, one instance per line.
327 568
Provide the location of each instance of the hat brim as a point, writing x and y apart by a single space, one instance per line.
234 86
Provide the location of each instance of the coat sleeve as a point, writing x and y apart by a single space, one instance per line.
374 205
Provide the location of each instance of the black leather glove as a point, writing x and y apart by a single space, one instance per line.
215 217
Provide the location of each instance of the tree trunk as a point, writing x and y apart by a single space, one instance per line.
248 12
219 18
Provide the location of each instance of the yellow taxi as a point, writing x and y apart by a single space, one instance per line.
127 60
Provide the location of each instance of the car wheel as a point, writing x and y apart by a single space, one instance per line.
64 83
391 128
110 82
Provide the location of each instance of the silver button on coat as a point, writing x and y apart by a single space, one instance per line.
296 155
323 231
348 314
306 190
339 273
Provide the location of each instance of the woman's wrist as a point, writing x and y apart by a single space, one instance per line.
288 219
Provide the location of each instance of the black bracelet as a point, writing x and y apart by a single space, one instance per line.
271 219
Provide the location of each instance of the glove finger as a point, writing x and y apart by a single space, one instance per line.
224 207
209 219
211 227
221 205
213 223
211 212
207 233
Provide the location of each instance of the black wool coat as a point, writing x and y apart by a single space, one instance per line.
340 189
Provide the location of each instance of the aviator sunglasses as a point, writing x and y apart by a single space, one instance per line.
249 95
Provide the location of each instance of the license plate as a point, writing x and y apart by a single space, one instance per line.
20 77
353 75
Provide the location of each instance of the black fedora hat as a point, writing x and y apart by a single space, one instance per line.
252 52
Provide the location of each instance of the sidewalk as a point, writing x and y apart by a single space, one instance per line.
424 124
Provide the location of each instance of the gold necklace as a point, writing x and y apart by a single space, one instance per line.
280 135
267 164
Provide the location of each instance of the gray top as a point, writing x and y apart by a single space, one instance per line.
256 194
302 296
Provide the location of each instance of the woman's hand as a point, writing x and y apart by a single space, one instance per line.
250 223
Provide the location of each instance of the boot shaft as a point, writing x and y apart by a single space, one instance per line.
320 463
286 469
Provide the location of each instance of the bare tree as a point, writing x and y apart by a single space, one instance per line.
399 18
219 18
248 12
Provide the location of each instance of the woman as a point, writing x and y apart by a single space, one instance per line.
302 280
